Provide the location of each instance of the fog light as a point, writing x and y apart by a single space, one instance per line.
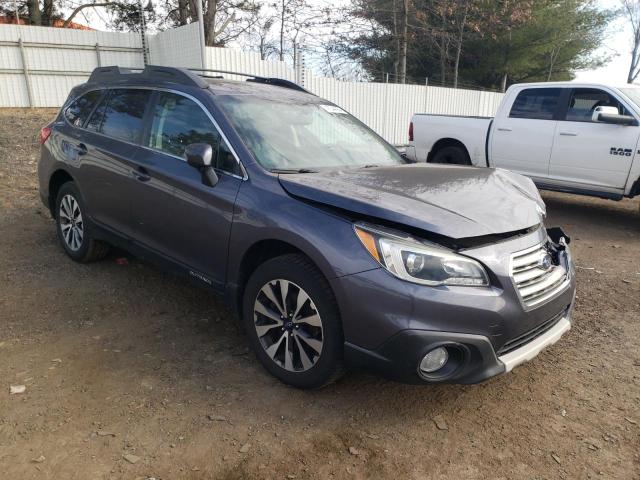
434 360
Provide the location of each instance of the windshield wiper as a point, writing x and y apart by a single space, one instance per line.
292 170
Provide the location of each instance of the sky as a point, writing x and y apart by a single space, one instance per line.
617 46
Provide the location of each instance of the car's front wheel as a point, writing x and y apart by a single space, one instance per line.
293 323
74 230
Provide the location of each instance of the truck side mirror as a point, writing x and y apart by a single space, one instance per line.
201 156
617 119
606 114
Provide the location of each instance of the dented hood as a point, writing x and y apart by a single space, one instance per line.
457 202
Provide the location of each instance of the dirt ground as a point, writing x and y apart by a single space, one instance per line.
123 359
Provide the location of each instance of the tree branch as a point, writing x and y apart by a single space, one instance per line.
79 8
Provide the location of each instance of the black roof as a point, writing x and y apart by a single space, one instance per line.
154 74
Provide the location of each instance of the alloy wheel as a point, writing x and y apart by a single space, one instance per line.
288 325
71 224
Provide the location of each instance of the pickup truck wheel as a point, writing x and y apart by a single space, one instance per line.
292 321
452 155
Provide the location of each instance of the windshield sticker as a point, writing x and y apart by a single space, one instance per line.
332 109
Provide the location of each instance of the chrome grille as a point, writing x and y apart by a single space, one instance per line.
534 281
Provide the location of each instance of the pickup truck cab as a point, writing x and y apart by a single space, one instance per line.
565 136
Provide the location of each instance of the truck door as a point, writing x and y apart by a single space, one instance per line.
590 153
522 138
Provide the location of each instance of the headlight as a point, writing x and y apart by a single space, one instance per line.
418 262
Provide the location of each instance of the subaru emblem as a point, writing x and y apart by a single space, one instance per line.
546 262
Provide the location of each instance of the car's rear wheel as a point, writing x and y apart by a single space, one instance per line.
452 155
293 323
74 230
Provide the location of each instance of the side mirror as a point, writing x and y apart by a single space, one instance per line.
607 114
617 119
201 156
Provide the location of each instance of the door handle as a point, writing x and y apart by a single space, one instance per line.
141 174
504 129
569 134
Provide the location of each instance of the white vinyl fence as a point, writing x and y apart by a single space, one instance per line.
39 65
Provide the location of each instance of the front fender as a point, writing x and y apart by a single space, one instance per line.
267 212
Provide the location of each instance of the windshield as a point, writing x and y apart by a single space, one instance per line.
633 94
294 136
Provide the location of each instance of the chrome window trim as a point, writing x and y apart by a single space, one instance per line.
244 176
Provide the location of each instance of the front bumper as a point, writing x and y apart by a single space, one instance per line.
488 330
401 355
530 350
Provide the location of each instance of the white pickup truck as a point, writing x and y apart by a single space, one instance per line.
566 136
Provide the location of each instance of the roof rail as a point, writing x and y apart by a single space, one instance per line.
278 82
150 72
179 75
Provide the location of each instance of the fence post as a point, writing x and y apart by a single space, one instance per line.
25 68
98 55
426 94
296 62
384 113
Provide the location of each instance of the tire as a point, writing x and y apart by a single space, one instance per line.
74 229
315 349
452 155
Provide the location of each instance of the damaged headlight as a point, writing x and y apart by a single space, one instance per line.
422 263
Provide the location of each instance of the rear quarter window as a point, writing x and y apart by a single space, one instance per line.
121 114
536 103
80 109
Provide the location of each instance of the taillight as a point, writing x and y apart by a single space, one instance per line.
45 133
411 131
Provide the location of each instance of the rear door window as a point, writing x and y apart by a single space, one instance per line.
80 109
536 103
178 121
121 114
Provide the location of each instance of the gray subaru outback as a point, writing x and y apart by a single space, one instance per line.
333 249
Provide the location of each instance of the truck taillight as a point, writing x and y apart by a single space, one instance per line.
411 131
45 132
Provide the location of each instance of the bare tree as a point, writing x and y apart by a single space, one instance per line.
81 7
400 33
631 10
224 20
183 12
403 41
35 17
260 35
461 23
289 15
264 45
